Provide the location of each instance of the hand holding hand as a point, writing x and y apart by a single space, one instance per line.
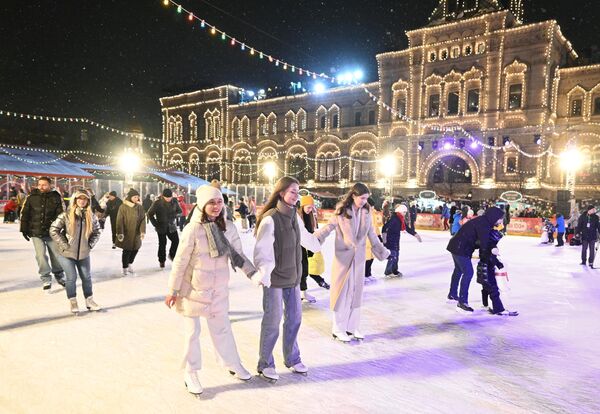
257 279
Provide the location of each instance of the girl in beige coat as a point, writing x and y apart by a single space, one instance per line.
199 284
353 224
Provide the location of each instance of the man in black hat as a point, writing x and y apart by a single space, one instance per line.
112 208
589 227
162 214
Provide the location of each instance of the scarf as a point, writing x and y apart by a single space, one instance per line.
218 245
402 221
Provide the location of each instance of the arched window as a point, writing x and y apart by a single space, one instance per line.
193 127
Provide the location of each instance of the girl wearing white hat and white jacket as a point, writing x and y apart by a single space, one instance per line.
199 284
76 231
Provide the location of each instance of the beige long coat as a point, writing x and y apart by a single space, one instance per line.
350 253
203 281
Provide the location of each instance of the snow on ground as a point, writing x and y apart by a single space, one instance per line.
420 355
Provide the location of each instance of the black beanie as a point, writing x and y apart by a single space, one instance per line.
131 193
113 193
167 192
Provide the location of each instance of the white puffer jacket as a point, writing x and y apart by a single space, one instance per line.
203 281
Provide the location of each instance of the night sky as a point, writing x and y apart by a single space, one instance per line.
111 60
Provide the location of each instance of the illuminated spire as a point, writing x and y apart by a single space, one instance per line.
452 10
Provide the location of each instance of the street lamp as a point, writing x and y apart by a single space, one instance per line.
270 171
129 163
387 167
570 162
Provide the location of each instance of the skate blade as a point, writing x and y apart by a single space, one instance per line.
267 379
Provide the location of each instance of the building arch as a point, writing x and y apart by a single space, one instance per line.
437 156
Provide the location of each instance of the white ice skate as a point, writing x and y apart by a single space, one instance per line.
356 335
124 271
269 374
308 298
130 270
299 368
341 336
241 373
91 305
192 383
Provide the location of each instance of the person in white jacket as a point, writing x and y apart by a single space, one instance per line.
280 234
199 284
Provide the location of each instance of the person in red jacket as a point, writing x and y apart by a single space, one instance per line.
184 212
10 211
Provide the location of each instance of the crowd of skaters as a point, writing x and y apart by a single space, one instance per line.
286 253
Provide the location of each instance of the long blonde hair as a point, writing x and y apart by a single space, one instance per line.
72 217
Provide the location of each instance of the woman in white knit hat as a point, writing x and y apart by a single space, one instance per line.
199 284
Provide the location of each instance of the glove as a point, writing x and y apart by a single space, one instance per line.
496 251
499 264
25 236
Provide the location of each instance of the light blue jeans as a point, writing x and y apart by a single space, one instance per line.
40 244
278 302
72 268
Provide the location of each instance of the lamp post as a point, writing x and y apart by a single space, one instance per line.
129 163
570 161
387 167
270 171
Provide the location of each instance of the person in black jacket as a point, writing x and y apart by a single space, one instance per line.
462 245
41 208
588 227
162 214
112 209
243 210
393 228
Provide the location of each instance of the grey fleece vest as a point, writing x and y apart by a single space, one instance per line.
288 252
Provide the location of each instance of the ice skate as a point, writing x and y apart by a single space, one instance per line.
161 264
124 271
192 383
463 308
341 336
130 270
91 305
299 368
241 373
61 281
356 335
452 298
269 374
505 312
308 298
324 285
74 306
47 286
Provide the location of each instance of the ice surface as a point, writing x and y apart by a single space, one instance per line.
420 355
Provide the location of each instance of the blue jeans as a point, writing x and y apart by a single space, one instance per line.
278 302
463 273
40 244
72 267
392 262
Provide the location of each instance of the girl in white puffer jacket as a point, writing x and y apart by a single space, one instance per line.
199 284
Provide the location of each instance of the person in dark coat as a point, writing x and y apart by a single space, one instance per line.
400 221
560 229
41 208
453 210
243 210
112 209
131 229
163 215
147 203
588 227
462 245
486 276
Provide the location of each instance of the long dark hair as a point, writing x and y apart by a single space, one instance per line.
219 221
357 189
280 186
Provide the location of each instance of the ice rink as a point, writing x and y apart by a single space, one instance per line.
420 355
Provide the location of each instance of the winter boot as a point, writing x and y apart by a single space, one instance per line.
91 305
463 307
192 383
74 306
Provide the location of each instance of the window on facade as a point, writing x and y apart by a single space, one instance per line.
444 54
401 106
473 101
335 122
455 52
452 103
213 171
371 117
468 50
515 95
274 128
362 171
470 4
432 56
511 165
322 122
434 105
576 105
328 170
480 48
297 169
597 106
357 116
